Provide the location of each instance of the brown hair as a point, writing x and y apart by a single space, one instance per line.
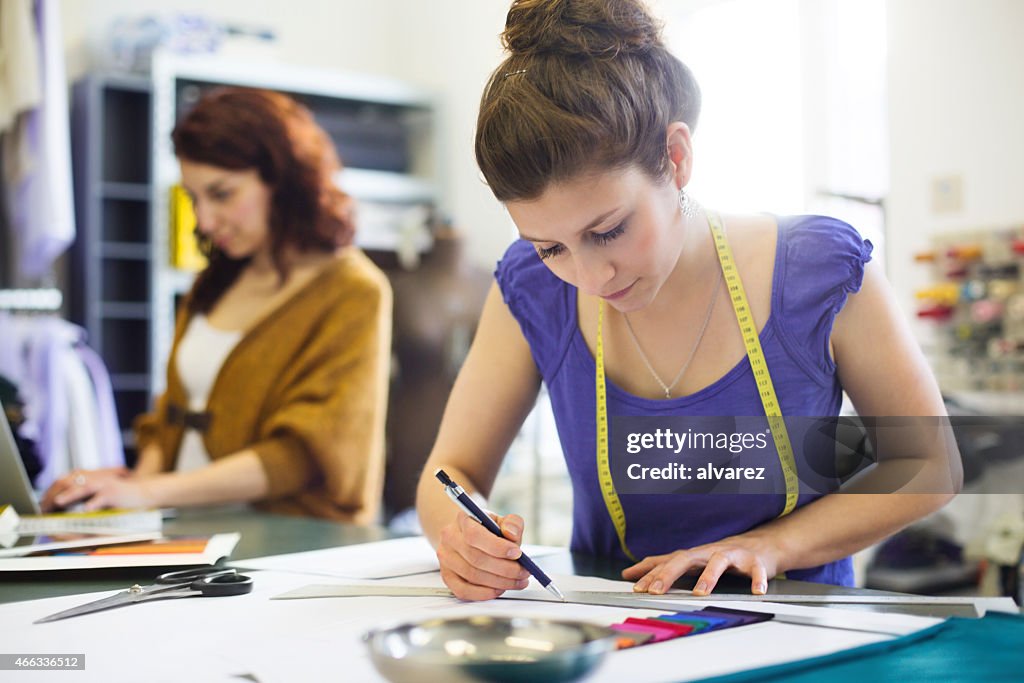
242 128
587 86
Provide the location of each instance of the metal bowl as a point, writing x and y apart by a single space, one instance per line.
493 649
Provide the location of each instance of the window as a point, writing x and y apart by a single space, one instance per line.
794 112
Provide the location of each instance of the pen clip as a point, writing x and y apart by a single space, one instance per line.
450 491
456 492
448 483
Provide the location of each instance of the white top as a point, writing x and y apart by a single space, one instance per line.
201 354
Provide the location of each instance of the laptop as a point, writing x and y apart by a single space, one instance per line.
15 487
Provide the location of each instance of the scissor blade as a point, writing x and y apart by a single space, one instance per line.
122 598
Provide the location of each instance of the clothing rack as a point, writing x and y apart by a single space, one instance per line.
31 300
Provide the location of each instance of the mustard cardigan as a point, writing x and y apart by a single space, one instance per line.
306 389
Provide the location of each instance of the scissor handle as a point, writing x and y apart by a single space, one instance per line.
216 585
190 575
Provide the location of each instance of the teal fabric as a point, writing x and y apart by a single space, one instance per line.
958 649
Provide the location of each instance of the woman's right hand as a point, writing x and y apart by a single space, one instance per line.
78 485
476 564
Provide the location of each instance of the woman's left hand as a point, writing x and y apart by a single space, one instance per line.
127 492
753 555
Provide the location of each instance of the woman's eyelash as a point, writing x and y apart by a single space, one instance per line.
605 237
548 252
598 237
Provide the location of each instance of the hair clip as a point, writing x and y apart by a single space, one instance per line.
513 73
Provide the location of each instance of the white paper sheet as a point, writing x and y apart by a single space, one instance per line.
379 560
173 640
686 658
219 546
216 639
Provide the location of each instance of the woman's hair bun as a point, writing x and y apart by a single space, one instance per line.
582 28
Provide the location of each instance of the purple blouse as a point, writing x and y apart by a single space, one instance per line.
818 262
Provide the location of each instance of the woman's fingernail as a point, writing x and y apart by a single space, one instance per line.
513 531
639 587
701 587
762 588
513 553
657 586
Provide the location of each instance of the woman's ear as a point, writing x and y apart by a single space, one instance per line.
680 152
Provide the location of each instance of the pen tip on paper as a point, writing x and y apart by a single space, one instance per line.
554 591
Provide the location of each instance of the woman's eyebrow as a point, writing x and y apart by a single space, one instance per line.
595 222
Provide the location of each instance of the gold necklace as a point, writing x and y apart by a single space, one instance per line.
667 388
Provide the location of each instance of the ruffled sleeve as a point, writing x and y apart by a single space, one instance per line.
822 264
543 305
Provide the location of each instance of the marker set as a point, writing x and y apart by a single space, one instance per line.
636 631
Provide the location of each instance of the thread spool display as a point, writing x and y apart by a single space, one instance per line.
976 303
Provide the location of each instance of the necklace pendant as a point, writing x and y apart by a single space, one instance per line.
700 335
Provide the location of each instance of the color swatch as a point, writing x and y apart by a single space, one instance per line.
635 631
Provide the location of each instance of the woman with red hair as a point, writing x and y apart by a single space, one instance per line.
277 379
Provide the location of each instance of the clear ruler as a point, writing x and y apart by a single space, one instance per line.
643 600
672 601
834 599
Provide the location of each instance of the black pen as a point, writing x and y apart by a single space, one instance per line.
462 499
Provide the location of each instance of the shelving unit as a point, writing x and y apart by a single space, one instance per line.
112 255
125 289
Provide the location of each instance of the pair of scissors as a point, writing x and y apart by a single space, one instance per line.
207 582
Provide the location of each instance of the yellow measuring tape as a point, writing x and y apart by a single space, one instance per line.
604 469
765 388
762 377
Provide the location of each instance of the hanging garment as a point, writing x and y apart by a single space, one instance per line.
10 355
65 415
111 445
47 409
38 172
83 417
19 61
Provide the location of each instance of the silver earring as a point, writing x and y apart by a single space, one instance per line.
687 205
